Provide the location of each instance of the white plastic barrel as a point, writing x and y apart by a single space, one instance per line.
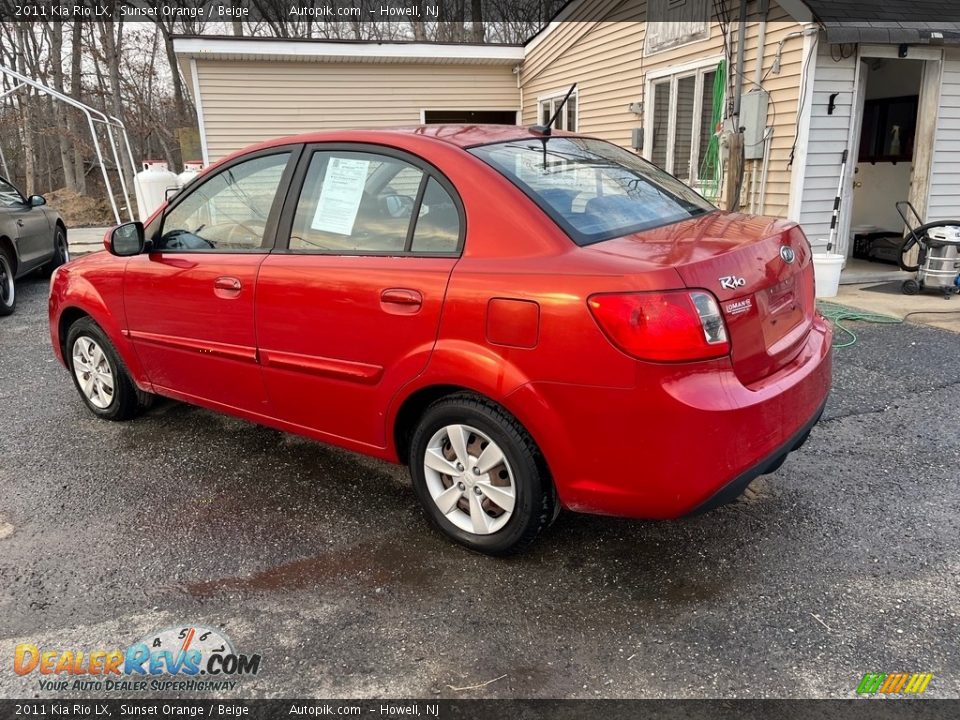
151 185
826 271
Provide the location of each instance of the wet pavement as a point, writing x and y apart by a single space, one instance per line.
844 561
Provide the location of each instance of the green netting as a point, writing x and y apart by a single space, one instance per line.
709 173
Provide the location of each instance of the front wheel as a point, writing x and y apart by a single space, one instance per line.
61 253
98 373
479 475
8 290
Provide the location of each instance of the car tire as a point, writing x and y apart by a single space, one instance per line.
61 253
8 286
497 507
94 365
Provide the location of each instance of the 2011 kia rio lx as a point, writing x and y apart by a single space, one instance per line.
528 320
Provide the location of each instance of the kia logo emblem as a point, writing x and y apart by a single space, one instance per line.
787 254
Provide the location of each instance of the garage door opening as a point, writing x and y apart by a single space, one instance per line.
477 117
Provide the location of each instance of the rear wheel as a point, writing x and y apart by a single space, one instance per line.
8 290
98 373
479 475
61 252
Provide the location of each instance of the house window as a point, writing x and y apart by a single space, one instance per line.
568 119
680 124
671 23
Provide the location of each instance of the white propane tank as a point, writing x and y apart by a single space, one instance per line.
151 185
191 169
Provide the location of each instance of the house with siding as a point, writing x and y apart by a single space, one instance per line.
754 106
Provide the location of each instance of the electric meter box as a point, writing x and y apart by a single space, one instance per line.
753 120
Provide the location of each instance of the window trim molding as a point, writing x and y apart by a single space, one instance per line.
295 188
698 69
553 95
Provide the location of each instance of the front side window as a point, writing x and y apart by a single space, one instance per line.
593 189
366 203
9 196
228 212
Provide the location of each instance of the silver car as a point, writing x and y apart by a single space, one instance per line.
31 237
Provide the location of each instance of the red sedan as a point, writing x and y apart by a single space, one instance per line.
527 320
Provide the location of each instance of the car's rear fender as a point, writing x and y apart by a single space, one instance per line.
454 366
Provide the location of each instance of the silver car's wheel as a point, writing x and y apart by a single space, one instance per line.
469 479
63 248
7 289
93 371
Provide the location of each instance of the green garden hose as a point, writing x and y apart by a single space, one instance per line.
709 173
838 315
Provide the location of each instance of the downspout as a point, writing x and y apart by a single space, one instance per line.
741 42
761 42
758 84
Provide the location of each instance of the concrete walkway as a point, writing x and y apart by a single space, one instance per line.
943 314
85 240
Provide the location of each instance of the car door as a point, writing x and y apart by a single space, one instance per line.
33 234
189 299
349 303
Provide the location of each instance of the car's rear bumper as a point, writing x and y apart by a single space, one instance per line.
734 489
685 439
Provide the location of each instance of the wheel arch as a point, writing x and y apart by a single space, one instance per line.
411 408
68 317
7 244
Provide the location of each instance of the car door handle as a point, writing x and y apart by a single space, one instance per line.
401 296
401 301
228 287
19 222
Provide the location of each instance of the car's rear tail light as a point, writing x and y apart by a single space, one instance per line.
674 326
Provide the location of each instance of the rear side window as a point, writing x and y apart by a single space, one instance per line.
9 196
438 222
364 203
593 189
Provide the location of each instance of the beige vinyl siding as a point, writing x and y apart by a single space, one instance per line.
249 101
606 59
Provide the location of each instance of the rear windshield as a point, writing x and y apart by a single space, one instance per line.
593 189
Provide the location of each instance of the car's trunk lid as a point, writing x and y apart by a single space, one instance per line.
758 268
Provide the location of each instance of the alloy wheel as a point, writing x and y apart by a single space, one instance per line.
93 371
7 288
63 248
469 479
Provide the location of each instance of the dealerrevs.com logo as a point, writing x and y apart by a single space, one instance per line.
179 659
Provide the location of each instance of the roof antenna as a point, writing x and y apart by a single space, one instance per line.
548 128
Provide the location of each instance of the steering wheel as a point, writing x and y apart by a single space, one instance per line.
184 240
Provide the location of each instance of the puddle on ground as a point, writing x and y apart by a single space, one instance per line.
366 565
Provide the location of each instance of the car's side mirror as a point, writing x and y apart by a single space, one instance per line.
125 240
36 201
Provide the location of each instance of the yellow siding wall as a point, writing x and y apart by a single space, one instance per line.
246 101
606 59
